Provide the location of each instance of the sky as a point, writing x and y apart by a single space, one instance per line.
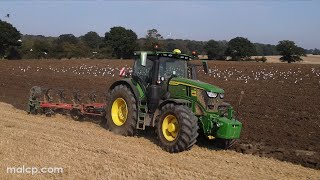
260 21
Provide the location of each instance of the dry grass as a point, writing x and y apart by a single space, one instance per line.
309 59
87 151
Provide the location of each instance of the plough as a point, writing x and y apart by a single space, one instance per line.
41 101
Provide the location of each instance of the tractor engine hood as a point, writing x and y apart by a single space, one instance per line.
197 84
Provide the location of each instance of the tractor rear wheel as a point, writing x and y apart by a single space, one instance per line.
122 111
177 128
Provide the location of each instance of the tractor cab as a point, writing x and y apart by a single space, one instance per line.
154 70
161 66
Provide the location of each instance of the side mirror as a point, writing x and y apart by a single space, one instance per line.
205 66
143 58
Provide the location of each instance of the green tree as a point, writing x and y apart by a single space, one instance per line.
69 50
14 53
197 46
265 49
41 48
92 40
123 41
79 50
67 38
289 51
315 51
215 50
69 46
240 48
105 51
152 38
38 46
27 45
9 40
171 44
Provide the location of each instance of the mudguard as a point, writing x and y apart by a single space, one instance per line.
129 83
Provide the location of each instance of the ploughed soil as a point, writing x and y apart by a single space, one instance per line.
279 106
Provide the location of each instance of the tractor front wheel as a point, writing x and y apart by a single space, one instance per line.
177 128
122 111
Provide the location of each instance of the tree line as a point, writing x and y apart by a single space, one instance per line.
120 43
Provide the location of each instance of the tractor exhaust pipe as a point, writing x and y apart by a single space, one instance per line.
153 92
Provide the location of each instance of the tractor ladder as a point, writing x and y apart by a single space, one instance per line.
142 114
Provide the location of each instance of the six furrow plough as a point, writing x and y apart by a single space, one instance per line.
41 101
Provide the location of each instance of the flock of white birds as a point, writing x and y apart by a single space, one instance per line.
76 70
264 74
291 76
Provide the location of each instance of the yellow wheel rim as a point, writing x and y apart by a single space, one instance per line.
170 127
119 111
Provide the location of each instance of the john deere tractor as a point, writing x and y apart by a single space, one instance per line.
163 92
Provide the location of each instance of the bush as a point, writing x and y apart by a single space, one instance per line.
14 53
262 59
246 59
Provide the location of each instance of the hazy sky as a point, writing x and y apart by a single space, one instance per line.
259 21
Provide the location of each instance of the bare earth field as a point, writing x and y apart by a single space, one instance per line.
279 111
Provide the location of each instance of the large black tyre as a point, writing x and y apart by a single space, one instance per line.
103 118
177 128
121 111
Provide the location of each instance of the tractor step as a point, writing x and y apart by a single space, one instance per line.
142 115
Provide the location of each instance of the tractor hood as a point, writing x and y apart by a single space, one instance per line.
196 84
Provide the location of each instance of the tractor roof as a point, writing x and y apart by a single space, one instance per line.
165 54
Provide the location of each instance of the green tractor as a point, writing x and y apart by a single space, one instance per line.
163 92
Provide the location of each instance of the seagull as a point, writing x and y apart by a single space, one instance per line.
8 15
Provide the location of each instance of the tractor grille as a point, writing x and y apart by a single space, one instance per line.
211 104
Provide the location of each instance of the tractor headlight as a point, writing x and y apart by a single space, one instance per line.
221 96
212 94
